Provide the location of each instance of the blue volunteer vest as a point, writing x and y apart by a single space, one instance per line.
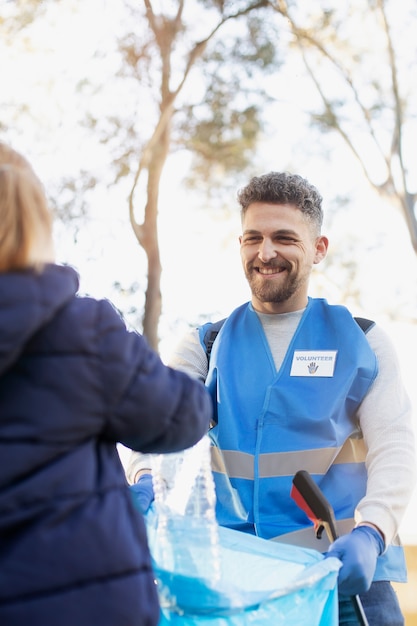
269 424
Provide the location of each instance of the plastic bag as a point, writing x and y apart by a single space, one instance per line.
214 576
257 581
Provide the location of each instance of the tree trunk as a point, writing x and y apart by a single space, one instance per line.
153 298
153 161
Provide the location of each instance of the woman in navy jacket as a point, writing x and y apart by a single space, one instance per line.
73 383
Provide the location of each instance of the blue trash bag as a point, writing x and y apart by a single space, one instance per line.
236 579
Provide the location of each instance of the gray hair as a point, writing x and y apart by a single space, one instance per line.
283 188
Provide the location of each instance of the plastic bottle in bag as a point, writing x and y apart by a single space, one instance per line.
186 542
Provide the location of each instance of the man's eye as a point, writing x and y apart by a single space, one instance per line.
286 239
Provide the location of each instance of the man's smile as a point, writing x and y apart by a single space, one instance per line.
269 271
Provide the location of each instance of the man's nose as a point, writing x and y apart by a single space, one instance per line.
266 251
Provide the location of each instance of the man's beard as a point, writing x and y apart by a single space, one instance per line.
270 291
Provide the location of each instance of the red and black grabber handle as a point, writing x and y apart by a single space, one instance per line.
308 496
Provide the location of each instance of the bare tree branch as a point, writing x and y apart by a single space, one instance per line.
396 169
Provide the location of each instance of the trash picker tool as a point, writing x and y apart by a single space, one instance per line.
308 496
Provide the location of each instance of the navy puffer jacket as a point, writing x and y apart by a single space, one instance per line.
73 382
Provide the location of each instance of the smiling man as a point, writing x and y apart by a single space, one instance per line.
296 384
278 261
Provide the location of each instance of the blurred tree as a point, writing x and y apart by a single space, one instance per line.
215 117
360 57
18 15
191 75
180 75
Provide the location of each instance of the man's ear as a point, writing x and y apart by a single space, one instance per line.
322 243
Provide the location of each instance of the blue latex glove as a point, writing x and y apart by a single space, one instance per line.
142 493
358 552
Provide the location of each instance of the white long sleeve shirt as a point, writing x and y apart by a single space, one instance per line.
385 418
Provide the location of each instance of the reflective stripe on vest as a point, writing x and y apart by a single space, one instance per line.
241 464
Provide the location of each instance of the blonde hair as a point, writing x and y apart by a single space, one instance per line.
25 219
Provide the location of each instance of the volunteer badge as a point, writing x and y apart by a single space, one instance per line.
313 363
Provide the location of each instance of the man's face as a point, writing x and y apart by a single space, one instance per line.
278 248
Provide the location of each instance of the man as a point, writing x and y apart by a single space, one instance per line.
298 384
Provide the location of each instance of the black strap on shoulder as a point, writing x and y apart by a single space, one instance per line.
364 324
213 331
211 335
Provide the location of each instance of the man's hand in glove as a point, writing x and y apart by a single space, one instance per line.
358 552
142 493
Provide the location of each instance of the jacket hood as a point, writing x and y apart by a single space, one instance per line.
28 301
